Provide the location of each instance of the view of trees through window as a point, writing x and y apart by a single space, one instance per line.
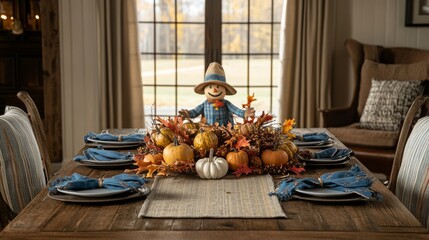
177 43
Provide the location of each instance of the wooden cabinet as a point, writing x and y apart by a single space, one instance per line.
20 52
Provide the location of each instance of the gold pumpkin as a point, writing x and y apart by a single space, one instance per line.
289 147
247 129
237 159
275 158
205 140
163 137
177 152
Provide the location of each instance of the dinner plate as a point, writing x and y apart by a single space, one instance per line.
103 164
324 199
143 191
326 160
113 142
94 193
303 143
323 192
312 164
108 146
108 162
323 145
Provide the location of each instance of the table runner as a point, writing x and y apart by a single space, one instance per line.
186 196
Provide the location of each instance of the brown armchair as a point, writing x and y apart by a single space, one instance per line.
374 148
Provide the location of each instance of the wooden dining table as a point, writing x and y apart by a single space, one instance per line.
47 218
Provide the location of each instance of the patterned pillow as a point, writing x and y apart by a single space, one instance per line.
388 103
21 168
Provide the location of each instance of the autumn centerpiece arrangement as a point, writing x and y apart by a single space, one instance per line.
256 146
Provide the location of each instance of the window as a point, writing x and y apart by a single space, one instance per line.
179 38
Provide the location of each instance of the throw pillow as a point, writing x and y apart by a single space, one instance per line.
401 72
388 103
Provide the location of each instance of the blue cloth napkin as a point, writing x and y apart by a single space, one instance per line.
354 180
80 182
313 137
102 155
333 153
136 137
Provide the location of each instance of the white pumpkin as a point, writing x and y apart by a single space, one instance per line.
211 167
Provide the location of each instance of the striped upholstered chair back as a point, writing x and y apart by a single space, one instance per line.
410 173
21 169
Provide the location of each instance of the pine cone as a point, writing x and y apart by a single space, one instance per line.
255 162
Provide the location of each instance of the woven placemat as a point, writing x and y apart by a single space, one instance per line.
186 196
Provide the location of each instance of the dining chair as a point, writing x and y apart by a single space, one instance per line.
375 146
23 172
38 129
409 178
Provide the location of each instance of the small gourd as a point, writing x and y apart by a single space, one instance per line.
162 137
211 167
205 140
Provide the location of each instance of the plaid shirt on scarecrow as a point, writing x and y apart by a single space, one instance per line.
220 114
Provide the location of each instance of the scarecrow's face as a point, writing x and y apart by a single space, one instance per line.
214 92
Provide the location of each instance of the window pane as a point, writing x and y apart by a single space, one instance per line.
235 68
149 100
165 101
165 11
238 99
190 10
276 38
188 99
146 37
190 38
145 10
260 38
260 71
276 70
278 8
190 70
260 11
165 38
147 68
234 11
234 38
165 69
263 102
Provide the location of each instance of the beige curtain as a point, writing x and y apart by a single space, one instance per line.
305 56
122 103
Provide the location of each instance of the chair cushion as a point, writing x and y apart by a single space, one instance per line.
412 186
373 70
388 103
354 135
21 168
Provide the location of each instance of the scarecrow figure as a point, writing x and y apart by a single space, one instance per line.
216 108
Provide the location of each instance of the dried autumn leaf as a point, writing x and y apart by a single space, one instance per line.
242 142
242 169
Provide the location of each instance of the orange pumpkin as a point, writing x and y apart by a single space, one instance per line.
153 158
163 137
237 159
177 152
205 140
275 158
